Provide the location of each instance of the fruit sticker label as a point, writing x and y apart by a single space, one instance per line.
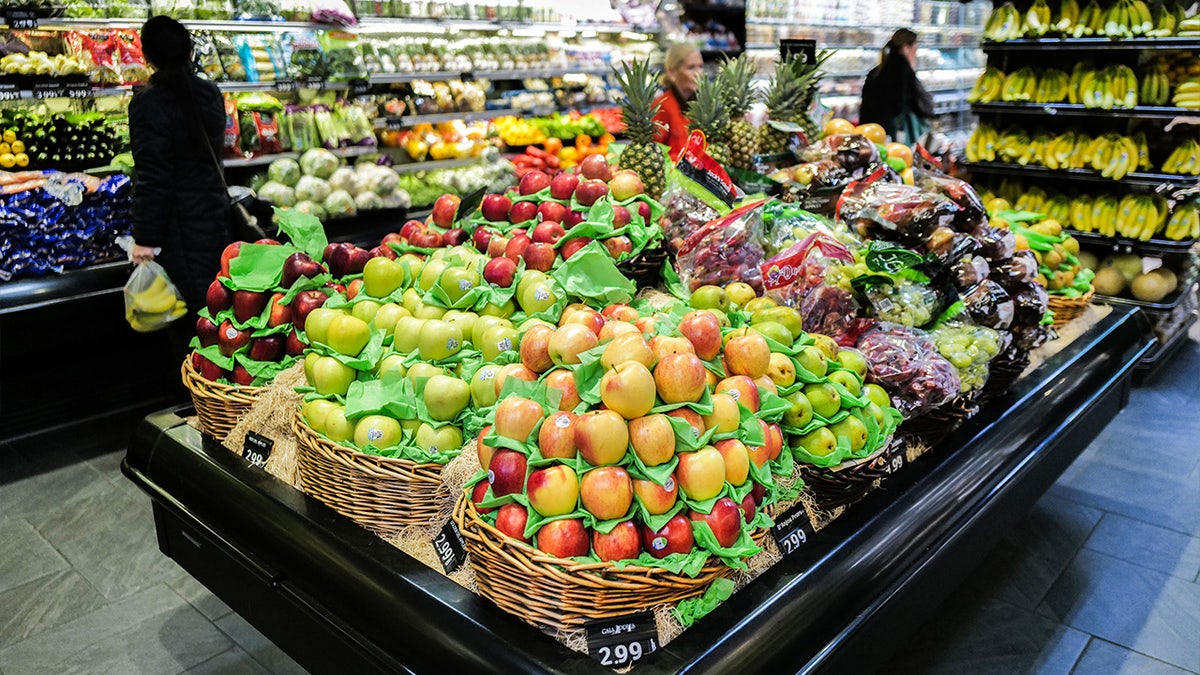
450 548
257 448
792 530
622 641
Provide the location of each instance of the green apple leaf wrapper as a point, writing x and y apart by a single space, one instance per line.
305 231
592 275
213 353
257 267
689 611
706 505
687 564
734 556
366 360
672 284
588 373
772 407
659 473
304 284
704 406
264 371
656 522
685 435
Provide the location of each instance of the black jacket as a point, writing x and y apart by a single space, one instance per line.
890 89
179 198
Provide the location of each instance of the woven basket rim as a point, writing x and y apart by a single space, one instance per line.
353 455
200 386
855 463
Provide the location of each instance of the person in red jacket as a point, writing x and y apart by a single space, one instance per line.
683 66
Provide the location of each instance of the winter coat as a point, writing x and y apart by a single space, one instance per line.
891 90
672 129
179 198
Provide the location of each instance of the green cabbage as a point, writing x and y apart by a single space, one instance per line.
319 162
312 189
277 193
312 209
366 201
286 171
340 204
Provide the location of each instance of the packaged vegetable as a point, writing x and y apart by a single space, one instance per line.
208 61
130 59
231 60
303 55
233 144
342 54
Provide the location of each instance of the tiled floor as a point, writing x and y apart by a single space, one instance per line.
1102 577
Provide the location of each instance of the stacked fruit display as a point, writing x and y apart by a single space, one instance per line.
1113 155
1123 19
1125 275
1134 216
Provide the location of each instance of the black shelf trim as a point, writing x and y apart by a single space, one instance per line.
1090 44
1136 179
1079 110
1150 246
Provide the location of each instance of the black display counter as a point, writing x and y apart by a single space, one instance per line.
339 599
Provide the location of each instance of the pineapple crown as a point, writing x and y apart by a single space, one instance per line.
793 85
707 109
639 108
735 80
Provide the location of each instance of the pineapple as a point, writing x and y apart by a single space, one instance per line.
643 156
735 80
789 96
709 115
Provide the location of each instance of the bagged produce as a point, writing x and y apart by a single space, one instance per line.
725 250
258 124
345 61
151 301
906 363
969 348
877 209
208 61
231 60
303 55
971 214
852 152
698 191
798 278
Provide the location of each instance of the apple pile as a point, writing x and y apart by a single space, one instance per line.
633 438
247 331
545 220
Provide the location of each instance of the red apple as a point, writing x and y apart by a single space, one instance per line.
748 507
595 167
736 456
742 389
572 246
644 211
495 208
703 330
241 376
297 265
511 519
523 212
500 271
773 436
218 298
485 451
619 312
574 218
625 184
481 238
620 216
602 437
206 330
354 288
623 542
445 211
548 232
454 236
590 191
587 317
517 370
618 247
533 182
383 251
410 227
657 499
280 313
206 368
230 252
552 212
554 490
680 378
497 245
725 520
305 302
556 438
267 348
563 186
516 246
674 537
293 346
249 304
564 538
606 492
506 472
516 417
540 256
564 381
535 348
477 495
391 238
693 418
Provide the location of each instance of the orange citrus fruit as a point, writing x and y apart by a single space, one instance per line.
837 125
872 131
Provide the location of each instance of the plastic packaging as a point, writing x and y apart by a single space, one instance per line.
851 152
906 363
725 250
877 209
797 278
698 191
988 304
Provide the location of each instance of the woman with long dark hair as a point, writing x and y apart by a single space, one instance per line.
176 130
892 96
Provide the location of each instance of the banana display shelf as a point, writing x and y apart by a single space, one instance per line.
1123 19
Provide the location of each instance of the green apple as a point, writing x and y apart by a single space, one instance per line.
430 272
413 263
819 442
801 411
407 330
853 429
482 324
424 371
530 323
441 439
430 312
875 411
824 398
483 386
331 376
348 335
464 320
722 318
710 297
813 360
365 309
774 330
878 395
380 431
456 282
497 340
529 278
537 298
392 363
740 293
787 316
309 359
337 427
316 325
387 316
446 397
506 310
315 412
848 380
382 276
439 340
759 303
412 300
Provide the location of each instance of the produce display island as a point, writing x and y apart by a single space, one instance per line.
338 598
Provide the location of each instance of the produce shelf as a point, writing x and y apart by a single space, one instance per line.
383 24
338 599
1090 44
263 160
439 75
435 164
192 24
1151 246
1155 181
1077 109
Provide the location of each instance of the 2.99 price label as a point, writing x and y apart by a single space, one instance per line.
450 548
21 19
792 530
622 641
257 449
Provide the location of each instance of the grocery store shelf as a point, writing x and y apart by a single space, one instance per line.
1151 246
439 75
1155 181
807 23
263 160
435 164
192 24
1090 44
384 24
1077 109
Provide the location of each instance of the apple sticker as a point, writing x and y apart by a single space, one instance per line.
231 332
374 434
451 344
487 374
670 484
505 344
541 294
465 285
658 543
491 476
562 422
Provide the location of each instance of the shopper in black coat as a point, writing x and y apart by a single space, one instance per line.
176 130
892 96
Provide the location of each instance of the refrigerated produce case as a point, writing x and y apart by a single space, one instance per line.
337 598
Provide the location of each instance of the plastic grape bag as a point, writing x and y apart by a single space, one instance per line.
725 250
698 191
905 362
852 152
800 277
151 301
878 209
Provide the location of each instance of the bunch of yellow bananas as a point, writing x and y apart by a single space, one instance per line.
1020 85
1112 87
988 87
1033 199
981 147
1184 160
1155 88
1037 20
1189 27
1004 23
1053 86
1187 94
1066 151
1128 18
1167 17
1113 155
1184 223
1088 22
41 63
150 309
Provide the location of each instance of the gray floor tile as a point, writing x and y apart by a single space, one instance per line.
1147 545
199 597
42 488
1105 657
25 555
154 631
984 636
1137 608
45 603
1026 563
110 539
109 465
235 660
258 646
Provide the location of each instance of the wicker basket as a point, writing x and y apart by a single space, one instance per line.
1002 373
383 494
553 593
1068 309
219 406
644 269
850 481
935 425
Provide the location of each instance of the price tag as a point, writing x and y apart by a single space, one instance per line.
792 530
312 82
9 91
257 449
359 87
20 19
395 124
49 89
896 462
450 547
285 84
622 641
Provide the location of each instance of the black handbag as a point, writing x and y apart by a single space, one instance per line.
242 225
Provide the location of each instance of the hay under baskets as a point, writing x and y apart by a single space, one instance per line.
219 406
